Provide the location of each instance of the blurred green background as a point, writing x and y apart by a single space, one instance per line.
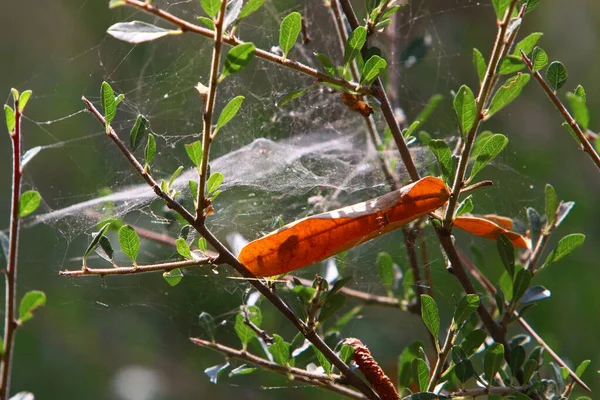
126 337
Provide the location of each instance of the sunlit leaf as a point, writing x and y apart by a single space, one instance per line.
466 307
506 250
480 65
556 75
465 206
138 132
32 300
250 7
565 246
135 32
579 110
323 361
484 227
385 268
493 360
551 199
289 96
510 64
173 277
354 45
371 70
23 99
105 250
280 350
539 59
243 331
432 104
150 149
237 58
211 7
508 92
194 152
289 32
521 284
431 316
527 44
473 341
130 242
9 115
107 95
214 181
500 6
207 22
420 373
230 110
96 237
242 370
116 3
326 63
487 152
331 306
405 361
465 108
443 154
183 248
29 202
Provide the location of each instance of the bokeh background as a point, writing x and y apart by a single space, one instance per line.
127 337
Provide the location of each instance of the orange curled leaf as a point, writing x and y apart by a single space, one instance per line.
320 236
489 227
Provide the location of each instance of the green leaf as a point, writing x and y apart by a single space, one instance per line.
207 323
539 59
237 58
242 370
183 248
580 92
174 176
405 360
15 94
527 44
432 104
323 361
510 64
194 152
32 300
507 93
9 115
488 151
582 367
493 360
579 110
138 132
331 306
346 352
551 199
535 224
96 237
243 331
517 358
466 307
556 75
250 7
371 70
105 250
119 99
479 63
385 267
202 244
443 154
464 370
465 206
506 285
529 369
211 7
420 373
354 45
107 95
135 32
214 181
521 284
534 294
565 246
473 341
130 242
230 110
280 350
500 6
289 31
465 108
326 63
173 277
29 202
506 250
150 149
116 3
431 316
23 99
289 96
207 22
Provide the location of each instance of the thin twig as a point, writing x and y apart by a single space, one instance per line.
225 256
138 269
581 135
499 391
10 273
441 358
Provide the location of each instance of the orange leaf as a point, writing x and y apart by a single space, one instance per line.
489 226
317 237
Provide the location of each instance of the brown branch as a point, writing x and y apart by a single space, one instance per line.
139 269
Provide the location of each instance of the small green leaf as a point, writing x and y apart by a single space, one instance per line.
431 316
183 248
506 250
465 308
9 115
371 70
250 7
565 246
119 99
211 7
289 31
237 58
243 331
29 202
432 104
96 237
230 110
385 267
508 92
242 370
346 353
500 6
130 242
15 94
32 300
443 154
280 350
539 59
323 361
150 149
331 306
473 341
207 22
107 95
355 43
527 44
493 360
173 277
580 92
289 96
405 361
194 152
579 110
510 64
465 108
464 370
582 367
488 151
465 206
529 369
23 99
506 286
202 244
174 176
556 75
138 132
521 284
116 3
517 358
551 199
136 32
214 181
480 65
326 63
420 373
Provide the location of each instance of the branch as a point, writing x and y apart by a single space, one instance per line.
225 256
324 381
499 391
138 269
581 135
